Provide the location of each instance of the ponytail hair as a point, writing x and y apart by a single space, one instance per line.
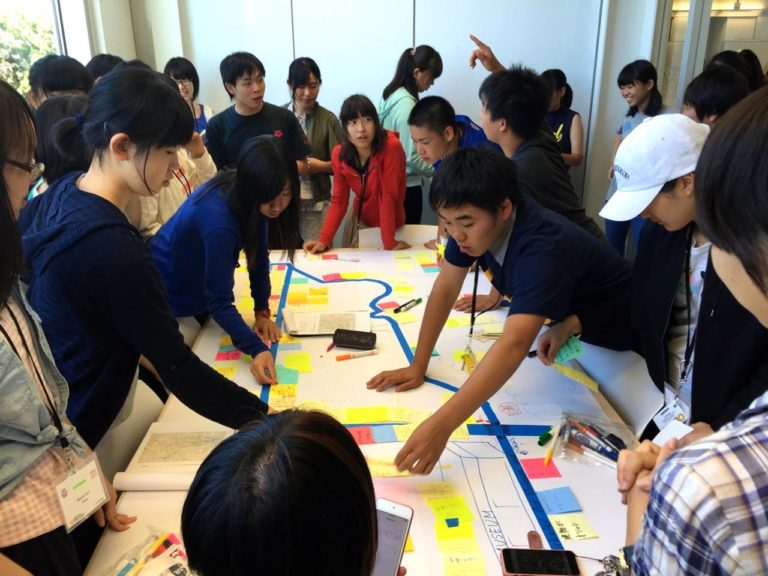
556 80
422 57
49 125
141 103
642 71
264 168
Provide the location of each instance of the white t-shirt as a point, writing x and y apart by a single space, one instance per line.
679 331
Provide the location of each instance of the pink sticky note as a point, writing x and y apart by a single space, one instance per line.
330 256
332 277
228 355
362 434
388 305
535 468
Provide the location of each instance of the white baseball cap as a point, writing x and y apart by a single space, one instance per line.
660 149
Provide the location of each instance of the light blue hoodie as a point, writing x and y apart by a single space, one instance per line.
393 114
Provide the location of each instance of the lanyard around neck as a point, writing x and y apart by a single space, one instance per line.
49 403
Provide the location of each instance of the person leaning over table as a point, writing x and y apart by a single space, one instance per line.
546 264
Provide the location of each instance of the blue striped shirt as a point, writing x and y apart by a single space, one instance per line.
708 509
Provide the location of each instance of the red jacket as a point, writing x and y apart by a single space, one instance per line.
383 196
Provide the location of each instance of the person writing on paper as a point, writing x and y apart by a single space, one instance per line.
701 509
91 276
546 264
197 250
33 424
291 494
370 162
677 313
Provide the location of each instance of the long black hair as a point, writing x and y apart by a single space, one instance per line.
139 102
59 161
353 107
264 168
422 57
17 142
642 71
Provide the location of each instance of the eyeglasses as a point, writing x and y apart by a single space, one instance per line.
35 169
182 81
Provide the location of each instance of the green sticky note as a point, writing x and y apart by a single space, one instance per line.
573 348
286 375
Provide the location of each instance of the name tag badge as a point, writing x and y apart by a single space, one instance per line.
80 492
670 412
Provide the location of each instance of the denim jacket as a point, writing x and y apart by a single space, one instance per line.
26 427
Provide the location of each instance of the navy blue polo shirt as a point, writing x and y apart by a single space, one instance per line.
552 267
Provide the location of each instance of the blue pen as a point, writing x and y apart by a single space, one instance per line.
588 443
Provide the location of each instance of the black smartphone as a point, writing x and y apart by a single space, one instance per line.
521 562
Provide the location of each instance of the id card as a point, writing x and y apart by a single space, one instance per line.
670 412
80 492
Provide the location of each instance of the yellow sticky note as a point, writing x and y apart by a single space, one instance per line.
404 431
225 341
318 300
353 275
226 371
367 415
300 361
469 564
404 266
296 297
437 489
454 529
453 506
384 469
283 390
286 339
408 544
424 258
457 322
406 317
402 256
402 290
282 402
318 290
576 376
461 433
574 526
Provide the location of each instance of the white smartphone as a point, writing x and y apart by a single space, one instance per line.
394 522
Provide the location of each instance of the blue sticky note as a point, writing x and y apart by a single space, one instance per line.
434 352
452 522
286 375
283 346
384 433
559 501
431 269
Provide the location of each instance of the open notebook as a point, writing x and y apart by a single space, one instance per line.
299 323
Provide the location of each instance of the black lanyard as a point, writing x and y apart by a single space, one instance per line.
49 404
690 340
474 302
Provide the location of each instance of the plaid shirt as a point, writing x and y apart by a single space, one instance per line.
708 509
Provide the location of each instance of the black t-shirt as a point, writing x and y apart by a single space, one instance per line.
228 130
541 173
552 268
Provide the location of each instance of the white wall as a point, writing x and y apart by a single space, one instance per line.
357 42
626 34
111 28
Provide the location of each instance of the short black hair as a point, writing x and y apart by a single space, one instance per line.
434 113
354 107
736 62
715 91
732 185
299 72
519 96
291 494
236 64
179 68
59 73
101 64
481 177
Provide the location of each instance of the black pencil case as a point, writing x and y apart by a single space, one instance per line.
354 339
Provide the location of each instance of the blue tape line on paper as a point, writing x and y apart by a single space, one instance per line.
530 494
